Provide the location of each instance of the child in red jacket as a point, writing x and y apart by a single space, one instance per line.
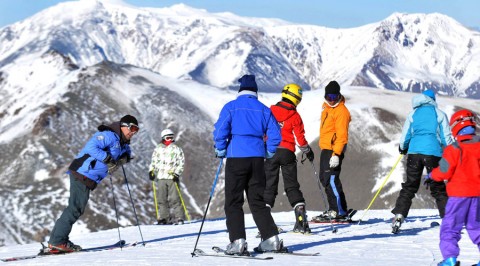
460 166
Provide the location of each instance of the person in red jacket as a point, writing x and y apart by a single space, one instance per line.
460 167
291 123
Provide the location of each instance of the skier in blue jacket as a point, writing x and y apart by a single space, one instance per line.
246 133
425 134
107 150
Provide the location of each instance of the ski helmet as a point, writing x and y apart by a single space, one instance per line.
292 92
167 132
461 119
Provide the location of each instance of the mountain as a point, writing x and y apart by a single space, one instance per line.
74 66
416 244
405 52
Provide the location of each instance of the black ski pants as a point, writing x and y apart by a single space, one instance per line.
285 160
415 165
330 178
246 175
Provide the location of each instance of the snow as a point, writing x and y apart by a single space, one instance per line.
368 243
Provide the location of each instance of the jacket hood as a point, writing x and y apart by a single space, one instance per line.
282 111
421 99
114 127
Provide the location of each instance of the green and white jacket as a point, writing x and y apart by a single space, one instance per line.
167 160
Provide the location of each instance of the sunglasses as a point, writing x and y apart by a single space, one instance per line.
332 97
132 127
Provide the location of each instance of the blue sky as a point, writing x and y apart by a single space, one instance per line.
335 14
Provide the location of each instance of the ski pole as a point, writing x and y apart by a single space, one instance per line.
116 213
183 203
380 189
334 229
133 205
155 199
208 204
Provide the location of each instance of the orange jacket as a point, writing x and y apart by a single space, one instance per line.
334 127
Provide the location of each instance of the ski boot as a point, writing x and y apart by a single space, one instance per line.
397 222
273 244
326 216
238 247
63 248
301 224
452 261
280 230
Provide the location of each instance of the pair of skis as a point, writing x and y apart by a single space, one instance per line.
47 251
219 252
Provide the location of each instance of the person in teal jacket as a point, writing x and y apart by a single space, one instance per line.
425 134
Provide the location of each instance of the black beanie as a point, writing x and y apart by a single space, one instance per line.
247 82
332 88
128 119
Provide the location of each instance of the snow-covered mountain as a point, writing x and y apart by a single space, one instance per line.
76 65
406 52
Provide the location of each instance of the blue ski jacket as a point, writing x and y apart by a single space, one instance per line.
246 128
108 140
426 130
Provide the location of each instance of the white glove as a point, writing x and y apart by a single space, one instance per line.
334 161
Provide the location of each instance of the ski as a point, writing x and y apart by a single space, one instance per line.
43 252
334 221
284 251
200 253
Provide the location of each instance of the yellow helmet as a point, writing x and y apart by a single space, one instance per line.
292 92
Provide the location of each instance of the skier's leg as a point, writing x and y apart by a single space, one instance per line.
255 189
452 224
163 208
473 224
174 202
237 171
438 190
410 186
272 173
79 195
290 180
325 177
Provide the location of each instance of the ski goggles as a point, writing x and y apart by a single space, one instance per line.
332 97
168 137
131 126
463 119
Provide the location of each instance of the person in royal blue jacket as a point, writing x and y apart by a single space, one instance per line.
425 134
107 150
246 133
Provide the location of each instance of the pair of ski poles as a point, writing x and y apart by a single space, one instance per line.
179 194
133 205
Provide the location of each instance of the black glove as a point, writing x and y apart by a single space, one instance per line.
404 152
111 163
176 178
310 155
124 158
151 175
428 181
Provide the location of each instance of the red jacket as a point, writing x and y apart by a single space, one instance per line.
460 166
291 123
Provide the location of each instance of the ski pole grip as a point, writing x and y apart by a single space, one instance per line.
216 177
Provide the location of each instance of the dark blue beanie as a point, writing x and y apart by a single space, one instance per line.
247 82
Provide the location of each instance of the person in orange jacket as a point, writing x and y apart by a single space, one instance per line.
333 144
460 166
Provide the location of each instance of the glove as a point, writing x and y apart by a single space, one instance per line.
220 153
310 155
334 161
111 163
270 155
124 158
403 152
176 178
151 175
428 180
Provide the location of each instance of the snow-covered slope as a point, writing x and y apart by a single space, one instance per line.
405 52
370 243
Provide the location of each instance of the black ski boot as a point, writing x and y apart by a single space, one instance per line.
301 224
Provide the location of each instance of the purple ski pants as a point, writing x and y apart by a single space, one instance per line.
459 212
